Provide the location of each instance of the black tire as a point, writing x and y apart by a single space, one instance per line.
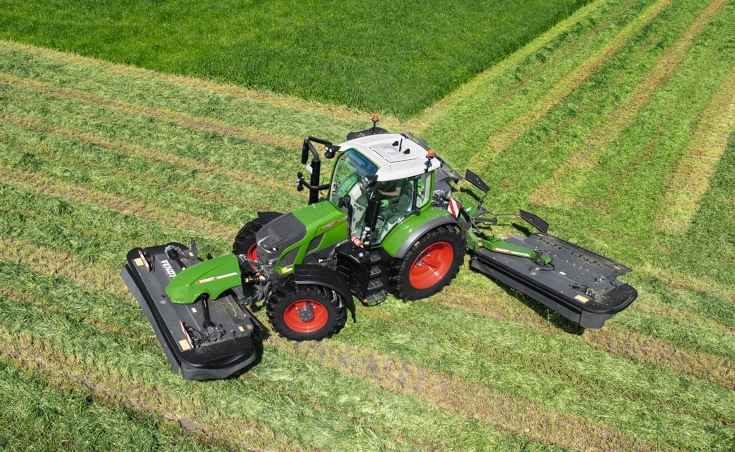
328 313
431 263
245 244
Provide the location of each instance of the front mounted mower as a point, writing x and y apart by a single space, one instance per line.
393 221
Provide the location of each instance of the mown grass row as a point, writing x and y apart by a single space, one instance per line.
477 367
132 88
464 128
56 295
413 326
51 418
62 303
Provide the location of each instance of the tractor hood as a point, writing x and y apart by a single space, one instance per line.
288 239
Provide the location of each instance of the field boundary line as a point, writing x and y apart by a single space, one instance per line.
690 180
250 133
51 186
507 134
239 92
572 172
468 89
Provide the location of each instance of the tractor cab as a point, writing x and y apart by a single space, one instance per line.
382 179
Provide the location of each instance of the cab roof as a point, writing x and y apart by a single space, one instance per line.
397 156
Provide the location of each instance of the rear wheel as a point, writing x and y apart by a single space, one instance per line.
303 312
246 245
431 263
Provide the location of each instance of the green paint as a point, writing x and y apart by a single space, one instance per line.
210 277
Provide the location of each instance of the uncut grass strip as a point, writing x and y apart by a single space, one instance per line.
37 415
91 233
653 142
254 134
130 371
44 356
207 146
504 136
584 158
464 130
365 403
560 372
515 415
689 181
108 164
91 66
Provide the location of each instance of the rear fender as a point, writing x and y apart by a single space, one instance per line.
322 276
400 240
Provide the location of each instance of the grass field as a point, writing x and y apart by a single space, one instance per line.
617 126
383 56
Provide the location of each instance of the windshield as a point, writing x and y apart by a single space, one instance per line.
349 189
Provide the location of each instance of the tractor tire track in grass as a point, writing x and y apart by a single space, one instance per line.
584 158
587 383
507 412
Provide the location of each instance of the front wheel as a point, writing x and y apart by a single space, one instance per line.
431 263
245 244
303 312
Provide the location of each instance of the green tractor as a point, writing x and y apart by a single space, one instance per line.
393 221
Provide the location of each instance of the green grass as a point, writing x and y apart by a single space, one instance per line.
386 57
97 158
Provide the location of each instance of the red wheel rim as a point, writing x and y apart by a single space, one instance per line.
431 265
296 323
252 252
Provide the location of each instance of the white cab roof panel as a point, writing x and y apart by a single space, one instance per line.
396 156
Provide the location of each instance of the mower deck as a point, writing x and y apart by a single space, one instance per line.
581 285
147 273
